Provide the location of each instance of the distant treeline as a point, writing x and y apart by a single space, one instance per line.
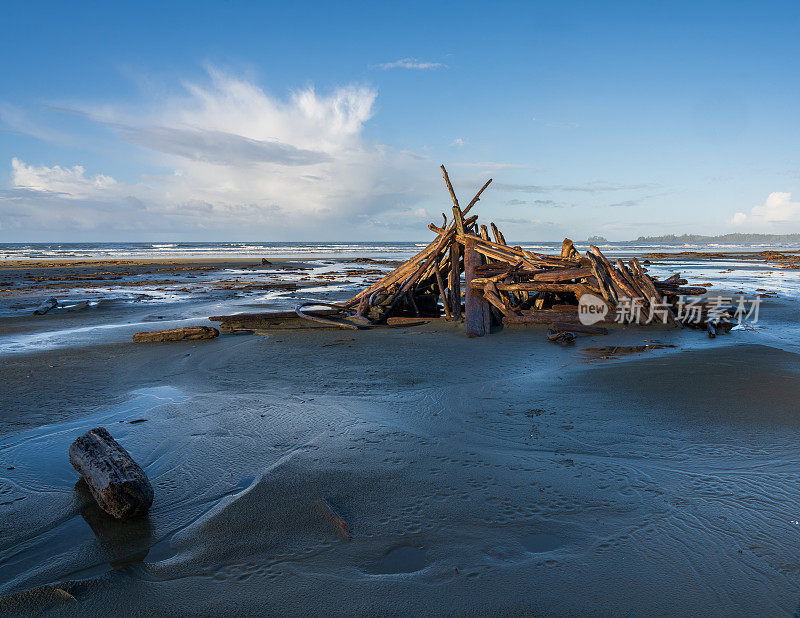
725 238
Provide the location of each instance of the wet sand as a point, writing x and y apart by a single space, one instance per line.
496 475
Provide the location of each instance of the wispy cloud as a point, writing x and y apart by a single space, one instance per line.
414 155
458 142
411 63
548 203
592 187
19 121
520 221
221 147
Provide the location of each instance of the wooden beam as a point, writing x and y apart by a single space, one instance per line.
473 301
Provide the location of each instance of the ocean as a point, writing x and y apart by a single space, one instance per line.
323 250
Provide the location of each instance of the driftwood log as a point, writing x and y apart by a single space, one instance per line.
188 333
473 303
46 306
117 482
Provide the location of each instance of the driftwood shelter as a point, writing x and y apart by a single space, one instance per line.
469 273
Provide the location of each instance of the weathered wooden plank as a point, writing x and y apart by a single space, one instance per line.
563 274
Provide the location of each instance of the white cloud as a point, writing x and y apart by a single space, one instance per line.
235 158
778 209
412 63
458 142
70 182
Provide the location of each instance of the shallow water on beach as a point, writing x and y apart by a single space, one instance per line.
142 297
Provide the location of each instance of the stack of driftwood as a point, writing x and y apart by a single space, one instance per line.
470 273
510 285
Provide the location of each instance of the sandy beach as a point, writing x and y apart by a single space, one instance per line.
503 474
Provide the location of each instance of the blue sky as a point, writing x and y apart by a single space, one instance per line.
260 121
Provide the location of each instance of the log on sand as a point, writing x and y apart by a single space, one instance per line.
46 306
117 482
188 333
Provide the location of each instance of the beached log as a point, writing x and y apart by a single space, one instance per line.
187 333
668 285
117 482
46 306
409 321
560 336
268 316
328 322
473 301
